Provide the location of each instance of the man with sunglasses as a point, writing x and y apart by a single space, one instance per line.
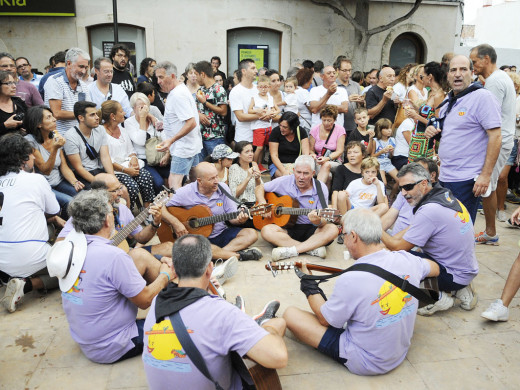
441 226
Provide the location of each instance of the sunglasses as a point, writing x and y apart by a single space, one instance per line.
410 186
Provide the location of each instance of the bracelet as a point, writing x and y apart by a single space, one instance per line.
165 273
319 225
155 226
122 169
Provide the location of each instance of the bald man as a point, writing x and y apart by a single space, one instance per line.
124 216
379 98
226 241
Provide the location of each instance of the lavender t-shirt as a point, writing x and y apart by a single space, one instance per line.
464 140
125 217
216 327
101 317
286 185
189 196
447 237
377 316
405 214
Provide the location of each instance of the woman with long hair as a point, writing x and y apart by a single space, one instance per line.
12 108
244 175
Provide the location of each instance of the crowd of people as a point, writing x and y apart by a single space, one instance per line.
394 165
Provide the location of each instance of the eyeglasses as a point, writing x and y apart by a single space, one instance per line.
410 186
9 83
345 70
120 188
22 66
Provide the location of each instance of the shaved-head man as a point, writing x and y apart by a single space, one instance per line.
379 98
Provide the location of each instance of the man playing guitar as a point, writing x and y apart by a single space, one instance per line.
226 242
311 233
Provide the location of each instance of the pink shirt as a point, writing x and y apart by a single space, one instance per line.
337 132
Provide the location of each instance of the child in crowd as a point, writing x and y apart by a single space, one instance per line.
383 148
367 192
363 132
262 104
290 100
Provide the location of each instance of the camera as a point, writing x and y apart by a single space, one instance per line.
19 116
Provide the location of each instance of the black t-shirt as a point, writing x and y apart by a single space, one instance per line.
125 80
343 176
355 135
19 107
288 152
373 97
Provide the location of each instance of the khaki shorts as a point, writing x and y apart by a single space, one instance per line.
500 164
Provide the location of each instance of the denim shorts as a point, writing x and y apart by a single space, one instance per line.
182 165
226 236
329 344
512 157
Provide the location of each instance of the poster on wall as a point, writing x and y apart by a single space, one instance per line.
37 8
258 53
107 47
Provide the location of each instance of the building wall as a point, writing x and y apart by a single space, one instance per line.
190 30
498 25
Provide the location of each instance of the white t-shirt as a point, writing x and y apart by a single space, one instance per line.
240 99
261 103
400 91
401 146
138 136
120 148
180 106
339 97
501 85
23 227
303 101
363 196
292 102
118 94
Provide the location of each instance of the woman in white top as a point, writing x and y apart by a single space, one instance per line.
417 93
140 127
222 157
127 167
304 77
404 80
244 175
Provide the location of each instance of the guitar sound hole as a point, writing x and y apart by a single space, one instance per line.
278 210
193 223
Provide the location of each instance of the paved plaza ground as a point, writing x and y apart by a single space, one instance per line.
450 350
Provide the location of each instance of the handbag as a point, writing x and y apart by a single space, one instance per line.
420 146
399 115
153 157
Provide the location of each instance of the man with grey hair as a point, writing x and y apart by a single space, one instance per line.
66 87
101 307
181 124
24 89
378 315
104 89
328 93
497 81
203 315
442 228
312 232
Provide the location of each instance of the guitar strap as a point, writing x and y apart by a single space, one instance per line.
189 347
228 195
422 295
319 190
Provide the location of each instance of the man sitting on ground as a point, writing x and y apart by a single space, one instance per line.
101 285
442 227
168 363
311 233
379 316
226 241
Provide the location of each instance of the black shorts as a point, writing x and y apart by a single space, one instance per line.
303 232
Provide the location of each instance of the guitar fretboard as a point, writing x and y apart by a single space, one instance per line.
199 222
293 211
129 228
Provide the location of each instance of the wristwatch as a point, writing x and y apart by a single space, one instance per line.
156 226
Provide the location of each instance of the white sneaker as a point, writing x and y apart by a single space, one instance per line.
283 252
501 215
444 303
496 311
13 294
318 252
225 269
468 297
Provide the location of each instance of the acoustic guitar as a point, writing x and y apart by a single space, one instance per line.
253 374
119 239
285 212
200 220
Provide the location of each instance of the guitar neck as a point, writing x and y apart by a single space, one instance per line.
294 211
318 267
129 228
215 218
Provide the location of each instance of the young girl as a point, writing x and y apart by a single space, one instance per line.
383 148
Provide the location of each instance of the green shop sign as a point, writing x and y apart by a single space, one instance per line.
37 8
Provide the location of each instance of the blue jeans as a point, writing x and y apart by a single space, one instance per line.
463 191
64 193
208 146
158 175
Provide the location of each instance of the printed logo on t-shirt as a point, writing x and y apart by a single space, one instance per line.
77 300
462 111
220 202
311 201
393 304
464 218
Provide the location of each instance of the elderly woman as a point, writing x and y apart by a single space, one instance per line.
140 127
49 158
286 142
327 143
127 167
12 108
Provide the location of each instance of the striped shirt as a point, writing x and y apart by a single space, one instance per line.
58 87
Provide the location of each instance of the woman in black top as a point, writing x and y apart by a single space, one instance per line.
286 142
349 171
12 108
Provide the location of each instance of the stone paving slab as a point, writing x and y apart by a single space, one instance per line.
450 350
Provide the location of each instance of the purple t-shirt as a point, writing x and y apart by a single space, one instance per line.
101 317
216 327
125 217
189 196
286 185
378 316
447 237
464 139
332 145
29 93
405 214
